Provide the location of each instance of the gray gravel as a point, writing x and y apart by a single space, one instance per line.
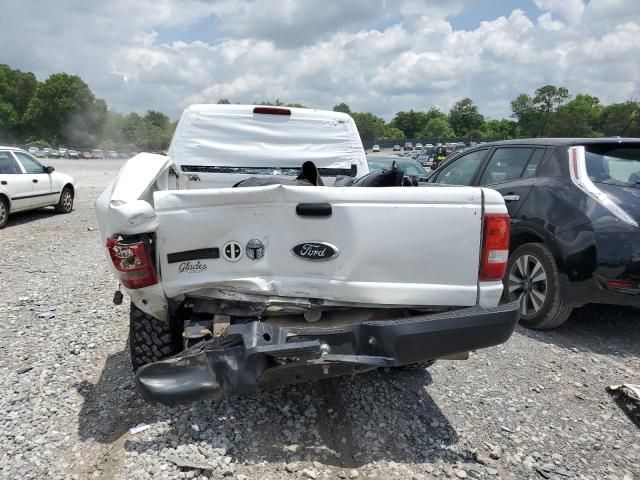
533 408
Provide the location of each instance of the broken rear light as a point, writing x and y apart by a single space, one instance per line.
132 260
495 247
272 111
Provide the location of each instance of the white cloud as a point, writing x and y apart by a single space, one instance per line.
570 10
547 22
379 56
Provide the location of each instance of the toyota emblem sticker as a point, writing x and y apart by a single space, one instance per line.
232 251
255 249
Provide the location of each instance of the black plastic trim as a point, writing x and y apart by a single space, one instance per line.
35 196
314 209
199 254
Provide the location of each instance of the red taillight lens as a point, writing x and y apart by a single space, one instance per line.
133 262
623 284
495 247
272 111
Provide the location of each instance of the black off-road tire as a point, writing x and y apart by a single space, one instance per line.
65 204
4 212
421 365
150 339
554 312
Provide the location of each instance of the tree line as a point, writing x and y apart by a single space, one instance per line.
550 112
62 110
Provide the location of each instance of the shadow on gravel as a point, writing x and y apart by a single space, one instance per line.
601 329
344 422
112 405
20 218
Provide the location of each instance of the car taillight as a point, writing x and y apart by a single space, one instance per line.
495 247
132 261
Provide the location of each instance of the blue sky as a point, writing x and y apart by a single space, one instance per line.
380 56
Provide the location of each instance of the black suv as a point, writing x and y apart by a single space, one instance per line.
575 210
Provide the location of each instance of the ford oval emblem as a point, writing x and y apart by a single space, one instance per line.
315 251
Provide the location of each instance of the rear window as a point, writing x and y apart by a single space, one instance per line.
615 166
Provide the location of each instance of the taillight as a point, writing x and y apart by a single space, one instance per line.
132 260
272 111
495 247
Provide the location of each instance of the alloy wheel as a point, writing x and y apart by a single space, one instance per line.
67 201
528 284
3 213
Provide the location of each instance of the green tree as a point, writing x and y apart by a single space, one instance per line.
500 130
437 128
16 90
528 116
580 117
547 100
388 132
620 116
464 118
411 122
342 107
369 125
65 110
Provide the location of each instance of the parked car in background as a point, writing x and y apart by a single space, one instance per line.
97 154
425 160
418 146
25 184
575 219
112 154
63 152
46 151
376 148
73 154
87 154
396 148
412 169
408 146
53 153
35 151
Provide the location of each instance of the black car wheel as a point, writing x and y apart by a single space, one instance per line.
4 212
532 279
150 339
65 204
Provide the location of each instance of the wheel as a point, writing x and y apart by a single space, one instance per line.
418 365
533 279
4 212
150 339
65 204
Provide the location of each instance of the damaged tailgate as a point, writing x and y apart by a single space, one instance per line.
352 246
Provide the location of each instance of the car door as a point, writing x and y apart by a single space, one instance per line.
13 182
511 170
41 185
461 170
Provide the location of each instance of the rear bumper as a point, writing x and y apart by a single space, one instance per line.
257 355
595 290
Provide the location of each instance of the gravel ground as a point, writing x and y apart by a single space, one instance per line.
535 407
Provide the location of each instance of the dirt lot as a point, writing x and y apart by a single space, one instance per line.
535 407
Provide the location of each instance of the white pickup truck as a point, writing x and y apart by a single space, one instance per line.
249 265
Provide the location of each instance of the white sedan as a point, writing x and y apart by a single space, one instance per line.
376 148
25 184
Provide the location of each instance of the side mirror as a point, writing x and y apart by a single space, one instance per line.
50 169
